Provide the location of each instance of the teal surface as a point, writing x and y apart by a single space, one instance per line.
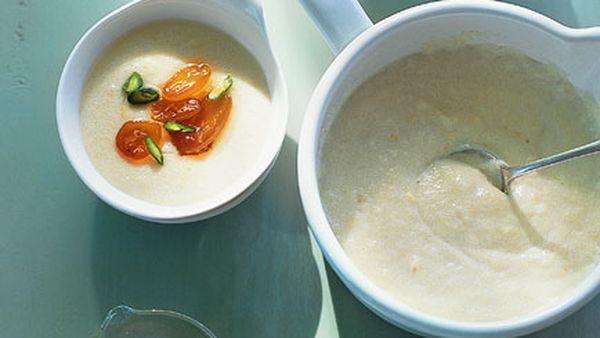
66 258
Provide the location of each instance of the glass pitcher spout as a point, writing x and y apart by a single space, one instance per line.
126 322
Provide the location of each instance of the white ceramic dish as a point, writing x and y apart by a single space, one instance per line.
576 51
241 19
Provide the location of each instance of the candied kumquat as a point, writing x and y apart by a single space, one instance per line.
131 136
188 82
164 110
209 124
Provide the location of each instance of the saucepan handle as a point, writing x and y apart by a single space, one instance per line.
340 21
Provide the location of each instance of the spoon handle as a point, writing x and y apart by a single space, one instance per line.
583 150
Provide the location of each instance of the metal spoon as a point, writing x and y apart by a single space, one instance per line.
501 174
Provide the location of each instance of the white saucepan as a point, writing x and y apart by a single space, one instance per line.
364 49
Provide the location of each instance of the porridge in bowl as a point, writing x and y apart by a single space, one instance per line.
433 232
175 112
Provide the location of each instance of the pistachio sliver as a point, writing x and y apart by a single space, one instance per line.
143 95
154 150
133 83
178 127
220 89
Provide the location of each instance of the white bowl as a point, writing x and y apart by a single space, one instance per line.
240 19
576 51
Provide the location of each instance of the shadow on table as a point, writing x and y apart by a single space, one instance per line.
582 324
247 273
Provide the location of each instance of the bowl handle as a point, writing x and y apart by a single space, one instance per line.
340 21
252 8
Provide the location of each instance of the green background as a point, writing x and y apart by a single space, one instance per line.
66 257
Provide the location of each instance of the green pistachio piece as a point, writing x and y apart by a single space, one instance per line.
133 83
178 127
143 95
154 150
221 88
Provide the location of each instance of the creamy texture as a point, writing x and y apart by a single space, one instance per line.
433 232
156 52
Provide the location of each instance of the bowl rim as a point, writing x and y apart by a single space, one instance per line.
366 291
232 194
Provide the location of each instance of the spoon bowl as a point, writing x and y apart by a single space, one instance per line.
500 174
489 164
